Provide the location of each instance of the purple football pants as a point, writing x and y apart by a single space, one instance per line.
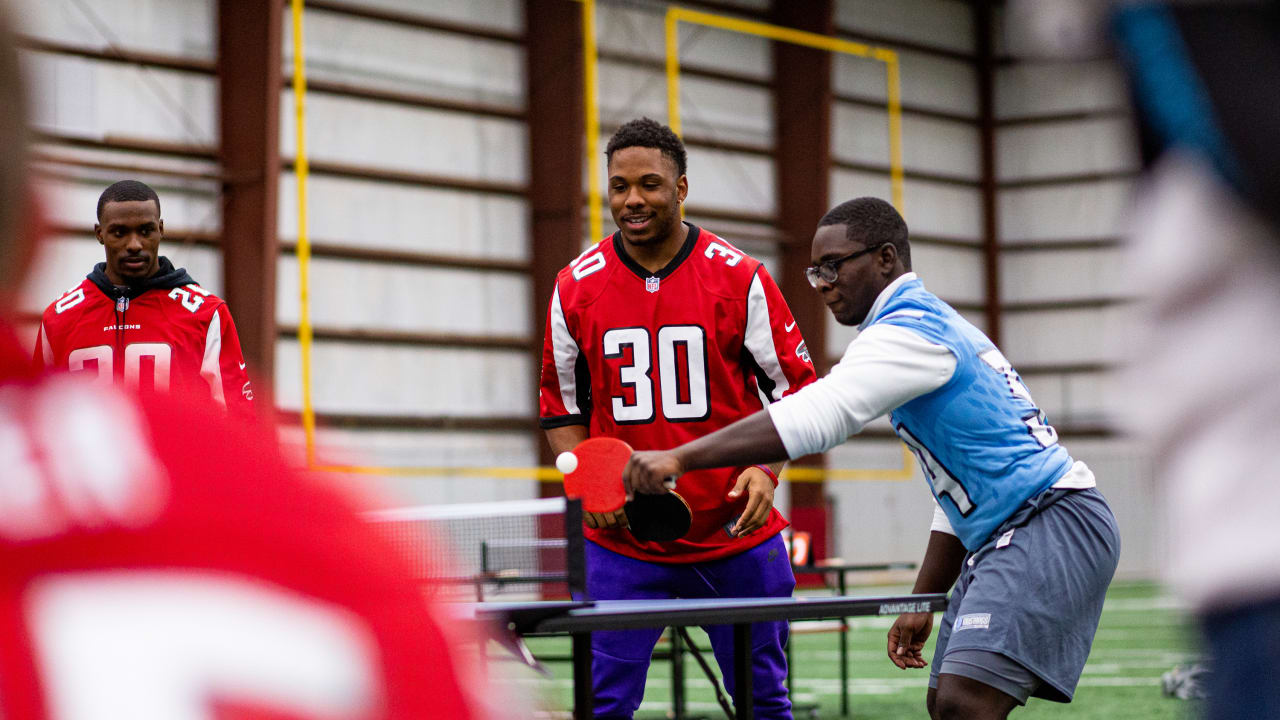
621 657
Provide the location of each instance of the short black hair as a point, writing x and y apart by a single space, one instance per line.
871 221
127 191
643 132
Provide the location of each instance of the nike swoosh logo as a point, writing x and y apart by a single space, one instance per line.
790 327
241 366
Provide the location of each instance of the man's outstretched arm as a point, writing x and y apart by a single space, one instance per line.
883 368
749 441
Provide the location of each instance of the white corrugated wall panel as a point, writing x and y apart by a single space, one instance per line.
1063 148
495 14
88 98
1042 88
390 216
1074 211
927 81
931 208
640 31
954 274
861 134
379 55
942 23
176 28
383 296
730 180
1083 335
416 140
369 378
709 108
1061 274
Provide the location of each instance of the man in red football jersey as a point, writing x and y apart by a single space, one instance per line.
138 319
656 335
159 561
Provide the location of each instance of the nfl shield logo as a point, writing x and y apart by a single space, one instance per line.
651 284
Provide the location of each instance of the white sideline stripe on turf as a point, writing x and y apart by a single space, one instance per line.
1158 602
1120 681
1153 653
1123 658
815 626
857 686
1134 635
816 686
863 686
871 623
803 657
1143 620
1114 668
657 698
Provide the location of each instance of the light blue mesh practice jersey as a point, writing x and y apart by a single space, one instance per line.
983 444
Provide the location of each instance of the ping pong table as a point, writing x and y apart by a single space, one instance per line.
580 619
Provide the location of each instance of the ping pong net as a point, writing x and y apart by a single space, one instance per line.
534 547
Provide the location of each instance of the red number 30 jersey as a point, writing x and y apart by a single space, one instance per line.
174 338
658 359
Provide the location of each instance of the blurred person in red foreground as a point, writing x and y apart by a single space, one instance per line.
159 561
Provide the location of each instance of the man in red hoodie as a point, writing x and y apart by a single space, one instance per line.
139 320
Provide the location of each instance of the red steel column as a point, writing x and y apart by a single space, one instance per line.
249 82
803 99
985 66
553 76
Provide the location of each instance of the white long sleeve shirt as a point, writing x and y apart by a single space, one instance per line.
884 367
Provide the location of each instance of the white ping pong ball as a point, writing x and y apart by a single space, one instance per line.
566 462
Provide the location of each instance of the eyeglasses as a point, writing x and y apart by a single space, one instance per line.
830 270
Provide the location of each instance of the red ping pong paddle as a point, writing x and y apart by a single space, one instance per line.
597 480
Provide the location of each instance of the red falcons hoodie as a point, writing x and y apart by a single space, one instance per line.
163 334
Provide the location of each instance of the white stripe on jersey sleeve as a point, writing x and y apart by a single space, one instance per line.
565 352
210 367
45 348
759 338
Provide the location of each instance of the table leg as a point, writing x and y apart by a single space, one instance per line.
743 695
844 667
844 654
677 674
583 696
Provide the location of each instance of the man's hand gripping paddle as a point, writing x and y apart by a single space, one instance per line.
593 472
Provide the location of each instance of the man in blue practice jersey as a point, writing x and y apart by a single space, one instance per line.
1020 529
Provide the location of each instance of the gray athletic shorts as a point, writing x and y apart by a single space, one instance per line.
1024 611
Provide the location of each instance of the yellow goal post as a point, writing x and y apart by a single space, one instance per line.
676 15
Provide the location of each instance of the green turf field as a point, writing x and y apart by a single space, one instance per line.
1142 634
